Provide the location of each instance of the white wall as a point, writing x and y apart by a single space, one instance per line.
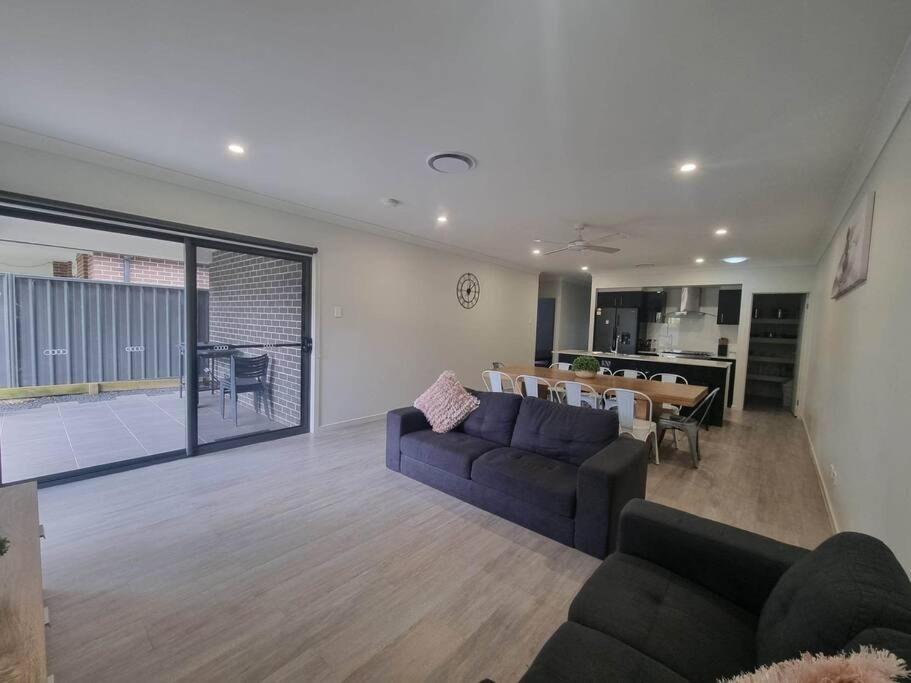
401 324
572 298
752 281
575 298
858 399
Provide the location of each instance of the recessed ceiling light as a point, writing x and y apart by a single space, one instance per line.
736 259
584 267
452 162
689 167
234 148
699 259
721 231
535 251
442 218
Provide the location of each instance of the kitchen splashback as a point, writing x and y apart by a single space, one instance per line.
695 333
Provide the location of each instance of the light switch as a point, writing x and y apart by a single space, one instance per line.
336 311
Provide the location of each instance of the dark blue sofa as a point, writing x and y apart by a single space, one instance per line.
688 599
561 471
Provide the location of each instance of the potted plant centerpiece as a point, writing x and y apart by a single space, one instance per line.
585 367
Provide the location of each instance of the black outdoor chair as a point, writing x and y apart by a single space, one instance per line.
248 374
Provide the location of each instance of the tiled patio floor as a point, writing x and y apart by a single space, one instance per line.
58 437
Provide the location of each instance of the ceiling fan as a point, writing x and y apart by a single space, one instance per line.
581 244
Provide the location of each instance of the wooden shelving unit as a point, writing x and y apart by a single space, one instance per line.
775 379
775 329
772 340
772 359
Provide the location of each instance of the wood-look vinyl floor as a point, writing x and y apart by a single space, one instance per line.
306 560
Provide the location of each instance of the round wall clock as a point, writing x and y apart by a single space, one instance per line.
468 290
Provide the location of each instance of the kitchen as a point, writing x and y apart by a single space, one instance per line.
688 331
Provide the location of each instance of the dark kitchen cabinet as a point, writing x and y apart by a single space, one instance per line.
633 299
729 307
606 299
655 303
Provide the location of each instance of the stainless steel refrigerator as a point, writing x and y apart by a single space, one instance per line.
616 329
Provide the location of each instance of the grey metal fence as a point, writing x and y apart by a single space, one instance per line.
68 331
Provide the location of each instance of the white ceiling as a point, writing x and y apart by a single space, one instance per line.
576 110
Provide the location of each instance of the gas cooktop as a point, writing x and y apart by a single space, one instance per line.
682 353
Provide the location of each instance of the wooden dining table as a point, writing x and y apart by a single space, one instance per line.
687 395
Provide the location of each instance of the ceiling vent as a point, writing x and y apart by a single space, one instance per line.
452 162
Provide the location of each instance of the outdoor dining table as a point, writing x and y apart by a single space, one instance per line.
212 352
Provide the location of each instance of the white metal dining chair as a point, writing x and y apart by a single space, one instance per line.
644 430
497 381
559 366
529 385
577 394
670 378
632 374
604 370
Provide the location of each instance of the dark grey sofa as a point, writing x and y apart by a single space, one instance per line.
688 599
561 471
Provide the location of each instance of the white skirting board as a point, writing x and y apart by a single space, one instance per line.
821 478
353 422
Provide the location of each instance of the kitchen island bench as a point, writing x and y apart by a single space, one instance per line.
706 372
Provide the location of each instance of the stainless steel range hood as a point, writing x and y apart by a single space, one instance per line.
690 300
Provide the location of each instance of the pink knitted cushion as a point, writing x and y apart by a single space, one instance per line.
446 403
866 666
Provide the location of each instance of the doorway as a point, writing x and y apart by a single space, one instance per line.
544 335
776 325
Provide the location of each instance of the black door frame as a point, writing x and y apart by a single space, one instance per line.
78 215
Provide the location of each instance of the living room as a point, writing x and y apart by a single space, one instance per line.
285 548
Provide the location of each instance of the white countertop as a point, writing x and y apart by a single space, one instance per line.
654 359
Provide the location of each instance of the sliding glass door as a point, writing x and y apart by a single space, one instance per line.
125 340
92 330
251 359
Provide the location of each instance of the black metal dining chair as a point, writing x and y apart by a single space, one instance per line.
248 374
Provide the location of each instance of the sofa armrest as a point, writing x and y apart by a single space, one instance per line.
736 564
606 482
400 422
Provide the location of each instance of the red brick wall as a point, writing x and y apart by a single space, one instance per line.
144 270
63 269
83 266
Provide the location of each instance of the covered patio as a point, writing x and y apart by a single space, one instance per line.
66 435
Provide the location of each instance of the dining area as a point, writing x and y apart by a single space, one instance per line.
647 407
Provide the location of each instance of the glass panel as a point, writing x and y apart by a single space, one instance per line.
91 336
249 369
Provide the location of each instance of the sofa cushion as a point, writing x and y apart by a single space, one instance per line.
544 482
495 418
850 583
453 452
690 630
445 403
563 432
576 654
